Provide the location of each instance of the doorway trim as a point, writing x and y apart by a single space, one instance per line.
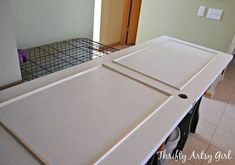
126 14
126 20
97 20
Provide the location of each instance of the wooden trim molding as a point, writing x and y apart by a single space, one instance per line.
10 85
114 44
126 12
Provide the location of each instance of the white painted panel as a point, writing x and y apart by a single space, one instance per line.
9 62
90 113
170 62
12 152
79 120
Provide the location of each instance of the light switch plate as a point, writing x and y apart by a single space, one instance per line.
201 11
214 14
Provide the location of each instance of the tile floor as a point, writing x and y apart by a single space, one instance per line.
216 127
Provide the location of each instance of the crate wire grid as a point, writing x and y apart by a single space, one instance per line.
53 57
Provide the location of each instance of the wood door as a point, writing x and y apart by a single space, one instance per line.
130 21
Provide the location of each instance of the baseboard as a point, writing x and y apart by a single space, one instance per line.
114 44
10 85
107 46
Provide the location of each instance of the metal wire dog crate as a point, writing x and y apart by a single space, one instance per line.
53 57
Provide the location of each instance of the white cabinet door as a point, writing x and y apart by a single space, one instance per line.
119 110
171 62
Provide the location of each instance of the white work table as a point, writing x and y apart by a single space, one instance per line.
117 109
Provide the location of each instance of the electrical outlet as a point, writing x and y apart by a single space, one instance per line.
215 14
201 11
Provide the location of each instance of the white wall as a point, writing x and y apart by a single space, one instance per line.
97 20
178 18
38 22
9 65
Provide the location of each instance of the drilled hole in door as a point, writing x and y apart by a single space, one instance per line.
183 96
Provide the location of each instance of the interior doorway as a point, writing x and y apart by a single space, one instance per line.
130 22
116 22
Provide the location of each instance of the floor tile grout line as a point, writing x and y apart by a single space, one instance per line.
219 121
215 125
205 118
227 130
209 143
198 138
224 108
